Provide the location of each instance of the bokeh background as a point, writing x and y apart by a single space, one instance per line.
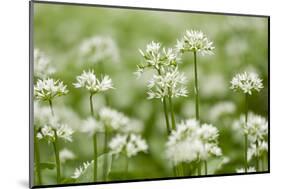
241 44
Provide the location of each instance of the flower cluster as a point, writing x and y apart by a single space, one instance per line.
257 132
246 82
47 89
91 126
80 170
172 83
89 81
117 121
157 57
191 142
195 41
130 145
99 48
66 154
42 67
52 129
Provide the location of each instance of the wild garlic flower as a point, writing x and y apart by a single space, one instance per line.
130 145
80 170
190 142
42 67
48 89
220 109
172 83
90 82
66 154
246 82
113 119
195 41
257 150
91 126
249 170
99 48
157 57
256 128
62 131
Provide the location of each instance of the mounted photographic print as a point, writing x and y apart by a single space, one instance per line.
122 94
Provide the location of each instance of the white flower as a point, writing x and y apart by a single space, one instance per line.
157 57
256 128
42 67
118 143
172 83
131 145
112 118
65 154
195 41
257 150
249 170
220 109
91 126
47 89
42 114
99 48
89 81
65 132
190 142
80 170
246 82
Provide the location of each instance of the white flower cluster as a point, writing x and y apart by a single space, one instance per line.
91 126
42 67
47 89
117 121
130 145
246 82
89 81
191 142
66 154
50 130
172 83
257 132
80 170
98 48
157 57
195 41
220 109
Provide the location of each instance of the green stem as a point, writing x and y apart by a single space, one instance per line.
105 166
246 135
91 104
37 160
199 168
206 167
196 90
126 167
257 158
95 157
51 107
166 116
55 145
172 113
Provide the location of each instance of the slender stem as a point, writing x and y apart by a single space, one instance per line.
172 112
246 135
196 90
55 145
166 116
51 107
199 168
126 167
91 104
37 160
95 156
257 157
206 167
105 166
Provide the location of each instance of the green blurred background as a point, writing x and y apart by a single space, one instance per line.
241 44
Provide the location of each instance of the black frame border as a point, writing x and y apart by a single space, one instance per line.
31 132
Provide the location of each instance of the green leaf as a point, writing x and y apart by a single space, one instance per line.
216 164
87 175
47 165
